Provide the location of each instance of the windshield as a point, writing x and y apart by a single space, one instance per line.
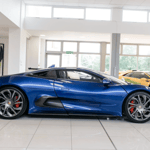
148 73
113 79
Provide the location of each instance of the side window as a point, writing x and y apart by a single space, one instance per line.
82 76
143 75
140 75
61 74
128 74
51 74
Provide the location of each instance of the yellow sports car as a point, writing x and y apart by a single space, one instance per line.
136 77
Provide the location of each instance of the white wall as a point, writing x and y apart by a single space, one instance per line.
11 9
4 40
86 26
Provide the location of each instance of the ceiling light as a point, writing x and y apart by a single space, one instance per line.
42 35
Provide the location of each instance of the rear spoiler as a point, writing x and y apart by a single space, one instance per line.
52 66
34 68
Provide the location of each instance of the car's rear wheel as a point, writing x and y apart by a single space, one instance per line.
137 107
12 103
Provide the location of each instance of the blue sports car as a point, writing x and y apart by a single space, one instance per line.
72 91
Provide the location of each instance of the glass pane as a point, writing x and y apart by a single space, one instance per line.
134 16
90 47
69 60
108 49
98 14
38 11
89 61
68 13
127 63
70 46
144 50
144 63
107 60
53 46
129 49
53 60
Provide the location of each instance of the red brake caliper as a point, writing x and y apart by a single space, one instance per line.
17 105
132 109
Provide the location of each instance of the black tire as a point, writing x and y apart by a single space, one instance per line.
128 113
22 99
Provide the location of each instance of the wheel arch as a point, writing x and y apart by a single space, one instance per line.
17 87
131 94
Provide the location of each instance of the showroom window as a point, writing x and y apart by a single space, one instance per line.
134 16
38 11
73 54
135 57
68 13
98 14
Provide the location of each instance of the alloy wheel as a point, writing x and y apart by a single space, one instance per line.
11 103
139 107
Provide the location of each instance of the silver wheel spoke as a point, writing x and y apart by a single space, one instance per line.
134 112
18 98
4 111
144 98
19 108
139 99
9 93
133 104
13 111
2 103
131 107
141 114
135 99
147 102
9 114
4 96
18 102
13 94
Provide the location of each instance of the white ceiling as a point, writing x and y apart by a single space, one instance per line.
126 4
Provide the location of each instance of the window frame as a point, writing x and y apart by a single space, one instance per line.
100 79
61 52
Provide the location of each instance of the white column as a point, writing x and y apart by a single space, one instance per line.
42 54
14 50
114 54
33 52
103 55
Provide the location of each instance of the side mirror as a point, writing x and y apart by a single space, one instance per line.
106 81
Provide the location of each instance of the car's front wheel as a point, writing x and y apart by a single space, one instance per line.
137 107
12 103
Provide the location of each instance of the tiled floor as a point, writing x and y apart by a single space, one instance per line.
68 133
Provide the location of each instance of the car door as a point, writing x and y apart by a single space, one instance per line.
84 93
42 96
